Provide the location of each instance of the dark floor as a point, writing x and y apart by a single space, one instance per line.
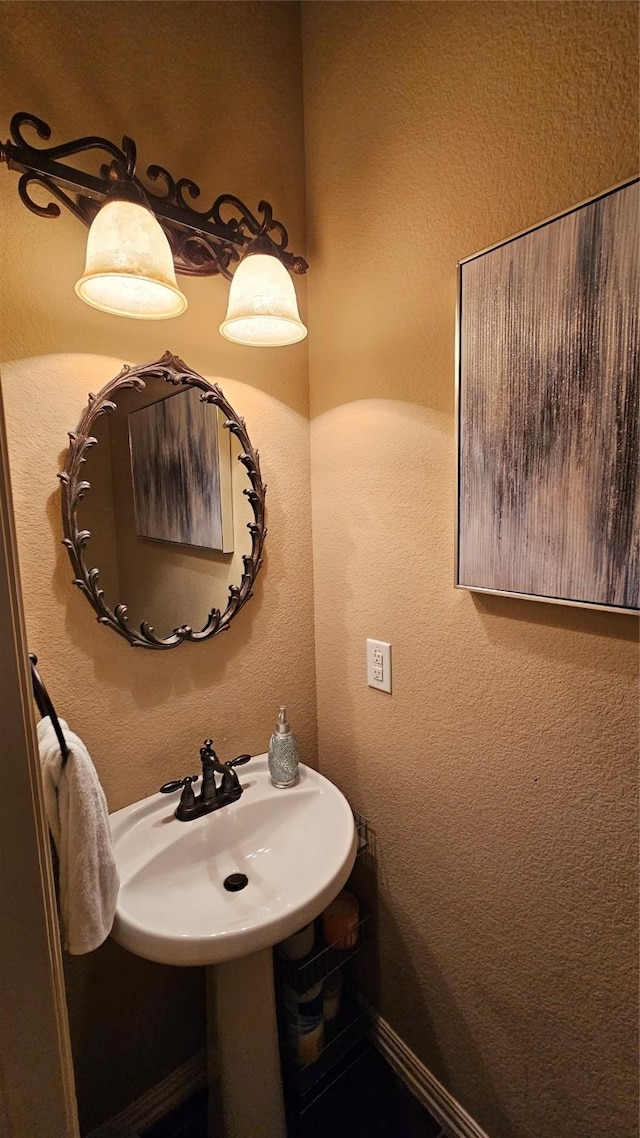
188 1121
369 1101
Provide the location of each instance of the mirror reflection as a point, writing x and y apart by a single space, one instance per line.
174 506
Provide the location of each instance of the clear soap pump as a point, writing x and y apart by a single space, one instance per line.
283 753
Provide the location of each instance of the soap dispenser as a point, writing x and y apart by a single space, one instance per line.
283 753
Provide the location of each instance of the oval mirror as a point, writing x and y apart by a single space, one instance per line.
163 506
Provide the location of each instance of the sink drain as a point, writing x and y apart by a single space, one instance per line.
236 881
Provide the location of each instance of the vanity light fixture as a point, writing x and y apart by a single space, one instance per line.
139 240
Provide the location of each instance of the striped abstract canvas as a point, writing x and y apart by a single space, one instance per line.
548 414
175 464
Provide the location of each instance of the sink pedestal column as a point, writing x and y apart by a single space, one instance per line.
245 1087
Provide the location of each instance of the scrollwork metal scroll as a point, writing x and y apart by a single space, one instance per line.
204 242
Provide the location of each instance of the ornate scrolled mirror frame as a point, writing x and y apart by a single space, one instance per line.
172 370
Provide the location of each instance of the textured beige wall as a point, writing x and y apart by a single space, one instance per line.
144 714
500 773
211 91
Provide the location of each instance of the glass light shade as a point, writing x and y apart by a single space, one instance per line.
129 269
263 309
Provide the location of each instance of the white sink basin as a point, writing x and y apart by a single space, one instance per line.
296 846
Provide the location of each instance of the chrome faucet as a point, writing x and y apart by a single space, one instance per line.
212 796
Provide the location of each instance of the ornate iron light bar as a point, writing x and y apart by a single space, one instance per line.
203 243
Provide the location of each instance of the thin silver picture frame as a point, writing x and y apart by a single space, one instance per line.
480 588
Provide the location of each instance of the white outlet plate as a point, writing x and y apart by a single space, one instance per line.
379 665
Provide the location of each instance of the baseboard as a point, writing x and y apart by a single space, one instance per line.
434 1097
157 1102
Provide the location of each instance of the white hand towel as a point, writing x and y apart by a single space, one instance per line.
79 822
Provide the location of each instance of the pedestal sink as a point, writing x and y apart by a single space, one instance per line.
296 848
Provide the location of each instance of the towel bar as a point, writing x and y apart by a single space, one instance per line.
45 706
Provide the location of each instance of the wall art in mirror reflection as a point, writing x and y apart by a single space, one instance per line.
180 462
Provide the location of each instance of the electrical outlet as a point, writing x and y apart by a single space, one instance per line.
379 665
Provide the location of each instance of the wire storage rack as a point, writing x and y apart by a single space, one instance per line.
344 1045
364 835
321 962
345 1036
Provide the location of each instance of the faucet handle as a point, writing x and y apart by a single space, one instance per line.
178 784
230 782
240 761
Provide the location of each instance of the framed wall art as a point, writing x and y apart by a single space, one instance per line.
181 472
547 409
